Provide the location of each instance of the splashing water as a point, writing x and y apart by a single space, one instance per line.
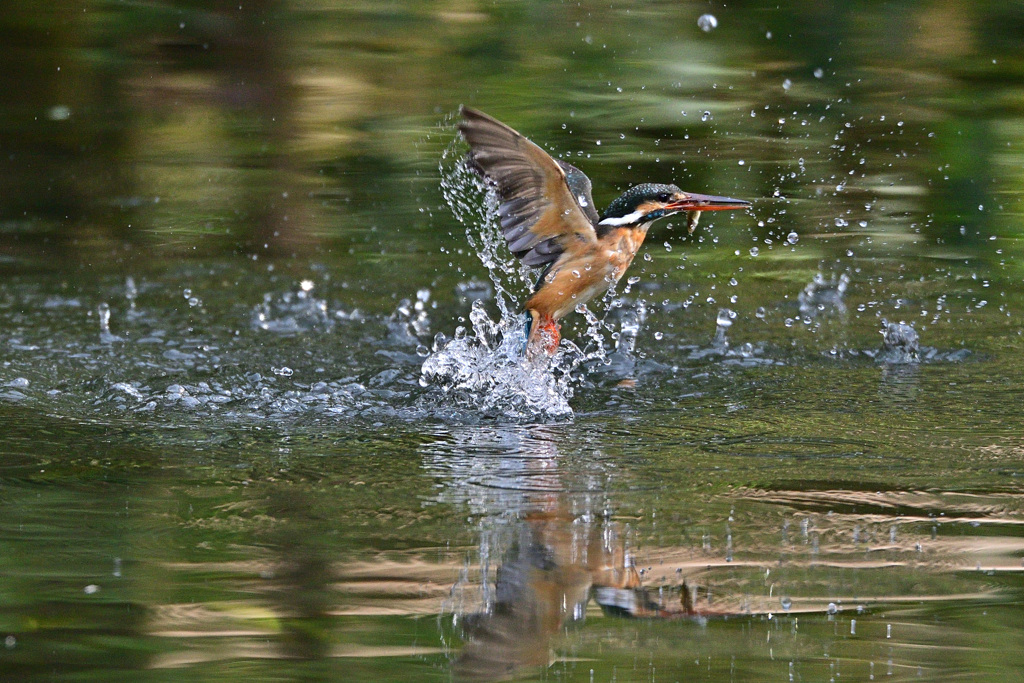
900 343
103 313
487 371
822 294
484 367
291 312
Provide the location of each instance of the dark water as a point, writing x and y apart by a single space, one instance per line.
790 450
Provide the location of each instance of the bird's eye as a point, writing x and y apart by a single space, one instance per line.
664 196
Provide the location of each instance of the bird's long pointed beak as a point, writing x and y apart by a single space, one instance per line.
707 202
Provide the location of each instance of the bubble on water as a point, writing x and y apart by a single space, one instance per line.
754 251
786 603
787 84
832 608
792 238
706 116
707 23
725 317
760 313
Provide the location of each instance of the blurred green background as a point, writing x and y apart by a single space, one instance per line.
278 125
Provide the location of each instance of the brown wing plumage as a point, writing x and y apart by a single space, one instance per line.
545 205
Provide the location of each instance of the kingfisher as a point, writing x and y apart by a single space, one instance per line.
548 219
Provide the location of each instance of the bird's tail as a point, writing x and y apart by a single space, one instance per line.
530 325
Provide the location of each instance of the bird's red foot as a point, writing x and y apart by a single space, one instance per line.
546 336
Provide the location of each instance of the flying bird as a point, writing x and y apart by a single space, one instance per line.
548 218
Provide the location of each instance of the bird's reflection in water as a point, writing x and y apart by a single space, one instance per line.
562 546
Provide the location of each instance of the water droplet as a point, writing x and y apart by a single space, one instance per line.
306 285
832 609
787 84
706 116
659 335
786 603
760 312
707 23
754 251
819 72
725 317
283 371
792 238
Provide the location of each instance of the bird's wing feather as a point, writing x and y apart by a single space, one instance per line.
545 205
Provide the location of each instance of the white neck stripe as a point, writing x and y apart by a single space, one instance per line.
628 219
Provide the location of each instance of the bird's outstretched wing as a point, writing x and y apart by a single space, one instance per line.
545 204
